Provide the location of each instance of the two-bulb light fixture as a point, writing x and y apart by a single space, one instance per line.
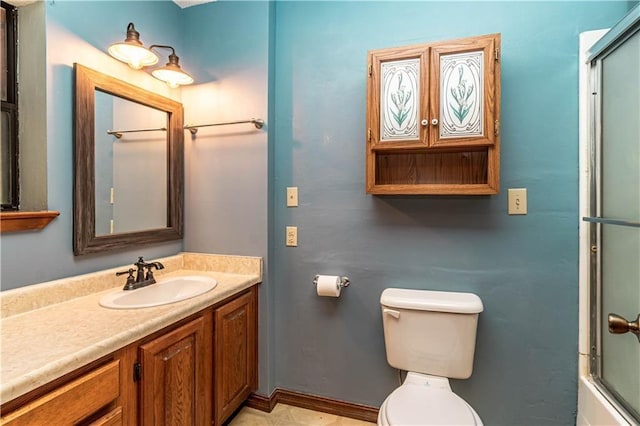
133 52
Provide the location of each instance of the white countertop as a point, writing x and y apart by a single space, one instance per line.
40 345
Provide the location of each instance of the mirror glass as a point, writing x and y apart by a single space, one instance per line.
128 165
131 149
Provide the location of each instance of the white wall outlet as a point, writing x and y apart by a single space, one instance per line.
292 236
292 196
517 200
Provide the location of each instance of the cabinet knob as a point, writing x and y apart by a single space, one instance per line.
434 122
425 122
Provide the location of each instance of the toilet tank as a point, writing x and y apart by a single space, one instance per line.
430 332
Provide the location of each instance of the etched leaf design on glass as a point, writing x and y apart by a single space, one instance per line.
400 99
461 94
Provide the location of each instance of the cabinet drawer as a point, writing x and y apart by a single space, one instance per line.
72 402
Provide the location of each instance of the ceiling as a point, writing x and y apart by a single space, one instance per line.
188 3
181 3
19 3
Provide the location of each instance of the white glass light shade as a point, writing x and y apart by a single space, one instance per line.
133 54
172 75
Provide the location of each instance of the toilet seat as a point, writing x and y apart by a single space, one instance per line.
424 405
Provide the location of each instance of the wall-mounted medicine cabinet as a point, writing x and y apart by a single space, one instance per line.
433 118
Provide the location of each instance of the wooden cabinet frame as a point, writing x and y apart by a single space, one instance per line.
455 148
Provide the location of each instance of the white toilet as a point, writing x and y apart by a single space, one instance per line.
431 335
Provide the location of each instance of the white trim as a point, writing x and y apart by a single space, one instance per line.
587 39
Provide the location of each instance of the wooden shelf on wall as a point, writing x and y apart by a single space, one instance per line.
26 221
466 172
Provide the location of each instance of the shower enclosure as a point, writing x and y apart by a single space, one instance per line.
614 216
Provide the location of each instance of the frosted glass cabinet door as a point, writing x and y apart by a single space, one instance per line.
400 100
620 199
397 103
464 94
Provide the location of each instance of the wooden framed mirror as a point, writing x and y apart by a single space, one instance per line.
128 165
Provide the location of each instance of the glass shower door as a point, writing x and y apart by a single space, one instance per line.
616 220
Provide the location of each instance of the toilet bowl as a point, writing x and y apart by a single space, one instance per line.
431 335
426 400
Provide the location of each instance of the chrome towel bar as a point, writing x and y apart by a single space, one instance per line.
118 133
258 122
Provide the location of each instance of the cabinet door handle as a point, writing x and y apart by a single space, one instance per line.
619 325
391 312
434 121
424 122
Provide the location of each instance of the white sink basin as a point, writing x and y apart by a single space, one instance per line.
163 292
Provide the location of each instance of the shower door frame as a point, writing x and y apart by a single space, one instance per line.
629 26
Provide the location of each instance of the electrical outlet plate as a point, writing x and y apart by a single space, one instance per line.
292 236
292 196
517 200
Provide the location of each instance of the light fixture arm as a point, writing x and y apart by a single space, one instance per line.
173 58
162 46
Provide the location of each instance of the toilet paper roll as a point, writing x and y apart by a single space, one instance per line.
328 285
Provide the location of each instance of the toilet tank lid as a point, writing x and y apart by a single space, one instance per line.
428 300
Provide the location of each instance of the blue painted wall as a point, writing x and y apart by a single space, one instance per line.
80 32
524 268
227 44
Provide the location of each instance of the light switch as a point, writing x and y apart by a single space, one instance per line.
292 236
292 196
517 200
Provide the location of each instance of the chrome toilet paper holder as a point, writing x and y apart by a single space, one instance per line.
344 281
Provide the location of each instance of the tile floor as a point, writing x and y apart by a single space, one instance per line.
286 415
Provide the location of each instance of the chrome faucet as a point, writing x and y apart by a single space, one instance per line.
141 279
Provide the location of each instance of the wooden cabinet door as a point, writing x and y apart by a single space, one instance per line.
465 92
236 341
397 101
174 386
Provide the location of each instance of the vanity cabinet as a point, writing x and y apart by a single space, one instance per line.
433 118
171 377
236 354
